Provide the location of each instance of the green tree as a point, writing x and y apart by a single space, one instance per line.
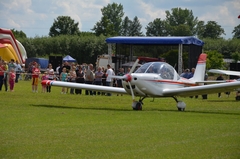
212 30
236 57
200 29
135 28
110 23
181 22
156 28
126 23
214 60
236 32
64 25
18 34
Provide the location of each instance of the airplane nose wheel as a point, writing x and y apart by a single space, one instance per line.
137 105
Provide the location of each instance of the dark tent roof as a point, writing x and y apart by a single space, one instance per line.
156 40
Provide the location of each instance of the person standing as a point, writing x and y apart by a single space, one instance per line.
104 79
89 78
2 71
185 73
98 78
72 77
79 79
35 77
12 77
5 79
109 73
18 70
63 77
50 76
44 77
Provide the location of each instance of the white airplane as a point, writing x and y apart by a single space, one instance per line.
156 80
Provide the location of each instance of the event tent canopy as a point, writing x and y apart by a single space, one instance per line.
68 58
156 40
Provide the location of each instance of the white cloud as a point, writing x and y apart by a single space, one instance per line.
150 12
35 17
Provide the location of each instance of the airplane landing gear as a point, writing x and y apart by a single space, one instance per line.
180 104
137 105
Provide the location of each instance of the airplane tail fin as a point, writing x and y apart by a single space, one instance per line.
199 73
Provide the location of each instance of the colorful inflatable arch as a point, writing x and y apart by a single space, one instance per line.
10 48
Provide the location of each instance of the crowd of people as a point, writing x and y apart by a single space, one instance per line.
75 73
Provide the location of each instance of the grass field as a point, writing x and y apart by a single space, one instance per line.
43 125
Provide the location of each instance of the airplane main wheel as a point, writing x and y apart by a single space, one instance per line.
138 106
181 109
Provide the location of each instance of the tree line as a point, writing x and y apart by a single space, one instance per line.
66 38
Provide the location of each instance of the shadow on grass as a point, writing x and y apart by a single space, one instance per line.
68 107
161 110
204 112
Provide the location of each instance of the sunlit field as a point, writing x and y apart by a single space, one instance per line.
55 125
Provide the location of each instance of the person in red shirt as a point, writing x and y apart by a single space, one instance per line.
12 77
35 77
2 70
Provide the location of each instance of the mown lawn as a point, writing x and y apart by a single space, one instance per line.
54 125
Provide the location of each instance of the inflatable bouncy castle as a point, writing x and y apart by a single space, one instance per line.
10 48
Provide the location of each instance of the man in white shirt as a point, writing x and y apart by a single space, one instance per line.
109 73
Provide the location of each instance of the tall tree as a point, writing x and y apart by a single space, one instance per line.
236 32
64 25
126 23
18 34
110 23
181 22
212 30
200 29
156 28
135 27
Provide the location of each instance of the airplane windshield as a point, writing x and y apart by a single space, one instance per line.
164 70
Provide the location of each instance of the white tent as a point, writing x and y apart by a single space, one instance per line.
68 58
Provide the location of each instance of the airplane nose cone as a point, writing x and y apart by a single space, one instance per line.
128 78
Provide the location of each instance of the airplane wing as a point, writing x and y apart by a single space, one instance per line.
235 73
85 86
205 89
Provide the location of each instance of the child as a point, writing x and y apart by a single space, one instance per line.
12 77
63 77
44 77
35 77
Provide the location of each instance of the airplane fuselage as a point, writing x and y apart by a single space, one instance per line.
152 84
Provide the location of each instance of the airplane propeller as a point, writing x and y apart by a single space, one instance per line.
128 78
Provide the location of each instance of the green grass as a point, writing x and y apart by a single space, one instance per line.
41 125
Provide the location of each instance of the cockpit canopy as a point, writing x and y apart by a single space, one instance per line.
163 69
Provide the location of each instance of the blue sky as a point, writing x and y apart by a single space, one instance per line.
35 17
